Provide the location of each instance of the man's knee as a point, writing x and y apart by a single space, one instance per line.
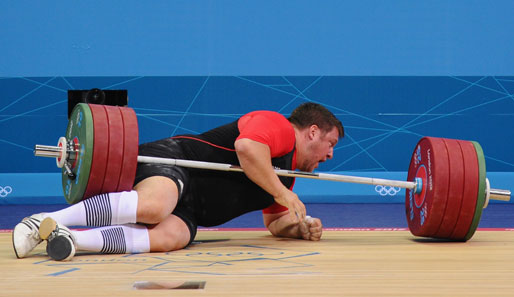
169 242
169 235
157 198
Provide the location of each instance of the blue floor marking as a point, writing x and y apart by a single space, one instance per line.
63 272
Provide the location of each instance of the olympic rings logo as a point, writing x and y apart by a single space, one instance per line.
4 191
387 190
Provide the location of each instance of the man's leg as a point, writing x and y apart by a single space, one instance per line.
168 235
152 200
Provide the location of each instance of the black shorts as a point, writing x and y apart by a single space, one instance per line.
169 148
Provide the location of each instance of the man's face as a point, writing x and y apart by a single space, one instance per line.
319 148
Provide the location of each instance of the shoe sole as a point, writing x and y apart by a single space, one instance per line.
46 228
59 248
13 246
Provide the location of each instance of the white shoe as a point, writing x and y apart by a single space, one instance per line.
25 236
61 243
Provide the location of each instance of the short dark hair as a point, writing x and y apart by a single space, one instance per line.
309 113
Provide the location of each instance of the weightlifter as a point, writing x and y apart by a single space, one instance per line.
168 203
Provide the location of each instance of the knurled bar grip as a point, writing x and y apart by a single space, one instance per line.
280 172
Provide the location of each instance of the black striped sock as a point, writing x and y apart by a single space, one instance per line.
114 241
98 210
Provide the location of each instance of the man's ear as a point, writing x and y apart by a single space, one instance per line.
313 130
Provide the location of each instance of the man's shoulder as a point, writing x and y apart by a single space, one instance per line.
273 116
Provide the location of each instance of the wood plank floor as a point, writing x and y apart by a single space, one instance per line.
253 263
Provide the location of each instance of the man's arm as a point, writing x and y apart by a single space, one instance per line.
280 224
255 159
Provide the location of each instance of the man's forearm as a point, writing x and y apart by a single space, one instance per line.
255 160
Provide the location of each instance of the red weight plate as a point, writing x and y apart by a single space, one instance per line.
130 149
100 151
425 211
470 191
115 157
455 189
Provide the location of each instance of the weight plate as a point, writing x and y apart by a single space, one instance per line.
130 149
481 190
100 151
80 132
455 189
426 210
115 151
469 197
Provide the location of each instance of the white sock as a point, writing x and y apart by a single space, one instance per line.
100 210
124 239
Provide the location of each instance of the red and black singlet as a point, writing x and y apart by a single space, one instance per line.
221 196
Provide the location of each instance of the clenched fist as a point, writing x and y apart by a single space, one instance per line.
311 228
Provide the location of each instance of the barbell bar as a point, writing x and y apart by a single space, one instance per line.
416 186
56 152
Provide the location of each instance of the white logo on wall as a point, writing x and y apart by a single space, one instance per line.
387 190
4 191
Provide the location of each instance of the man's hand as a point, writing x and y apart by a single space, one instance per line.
280 224
290 200
311 228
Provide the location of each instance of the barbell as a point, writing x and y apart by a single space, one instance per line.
446 187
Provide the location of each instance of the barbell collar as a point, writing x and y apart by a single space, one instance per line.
68 171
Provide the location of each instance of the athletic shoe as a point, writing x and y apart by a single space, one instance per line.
25 236
61 243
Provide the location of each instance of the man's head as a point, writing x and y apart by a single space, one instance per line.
317 132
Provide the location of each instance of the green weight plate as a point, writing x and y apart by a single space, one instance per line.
481 191
80 132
